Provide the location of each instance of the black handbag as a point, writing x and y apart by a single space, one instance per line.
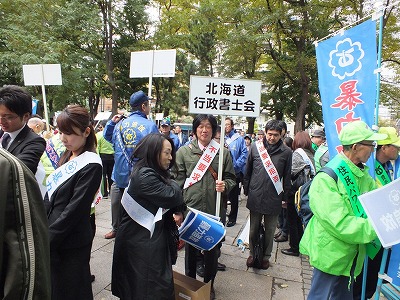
172 237
258 248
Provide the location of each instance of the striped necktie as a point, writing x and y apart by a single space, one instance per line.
5 140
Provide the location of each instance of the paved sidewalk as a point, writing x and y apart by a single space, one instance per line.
287 278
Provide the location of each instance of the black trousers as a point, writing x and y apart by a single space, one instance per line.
234 199
210 262
295 226
108 164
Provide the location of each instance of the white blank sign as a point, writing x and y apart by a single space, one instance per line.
153 63
42 74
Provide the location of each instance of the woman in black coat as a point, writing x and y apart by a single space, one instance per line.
71 189
144 254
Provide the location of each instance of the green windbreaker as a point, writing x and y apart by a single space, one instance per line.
335 237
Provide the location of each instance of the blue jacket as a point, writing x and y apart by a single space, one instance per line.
124 136
238 151
175 138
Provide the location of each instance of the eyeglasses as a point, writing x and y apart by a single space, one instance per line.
369 145
8 118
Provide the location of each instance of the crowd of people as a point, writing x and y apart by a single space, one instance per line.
152 172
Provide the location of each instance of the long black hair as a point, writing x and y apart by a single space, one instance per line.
148 151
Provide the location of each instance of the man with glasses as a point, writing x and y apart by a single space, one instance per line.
15 135
339 235
387 152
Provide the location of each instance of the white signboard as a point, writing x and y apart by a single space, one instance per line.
222 96
159 116
382 207
42 74
153 63
103 115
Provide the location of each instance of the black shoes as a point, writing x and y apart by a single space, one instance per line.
230 223
290 252
200 270
221 267
281 238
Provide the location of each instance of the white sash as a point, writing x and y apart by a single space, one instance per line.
40 177
203 164
141 215
269 166
306 159
234 137
63 173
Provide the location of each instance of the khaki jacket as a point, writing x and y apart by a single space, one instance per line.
202 195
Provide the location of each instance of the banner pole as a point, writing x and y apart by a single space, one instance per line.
378 90
220 163
46 114
378 73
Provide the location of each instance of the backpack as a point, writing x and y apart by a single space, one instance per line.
301 199
258 248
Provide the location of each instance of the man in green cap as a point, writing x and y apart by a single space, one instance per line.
386 152
339 235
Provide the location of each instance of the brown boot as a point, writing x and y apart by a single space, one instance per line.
110 235
250 261
265 264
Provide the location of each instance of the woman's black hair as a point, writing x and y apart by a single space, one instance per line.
199 118
148 151
288 141
76 116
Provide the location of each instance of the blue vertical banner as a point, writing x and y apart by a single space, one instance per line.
34 106
394 265
347 83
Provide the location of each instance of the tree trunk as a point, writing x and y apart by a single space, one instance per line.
250 124
108 28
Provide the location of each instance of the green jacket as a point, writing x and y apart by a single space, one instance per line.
202 194
24 238
103 146
335 237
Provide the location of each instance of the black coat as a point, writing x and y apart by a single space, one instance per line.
28 147
142 267
262 196
71 233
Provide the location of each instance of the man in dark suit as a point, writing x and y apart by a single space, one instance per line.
15 135
181 136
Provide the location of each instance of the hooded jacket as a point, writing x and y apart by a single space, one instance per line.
335 238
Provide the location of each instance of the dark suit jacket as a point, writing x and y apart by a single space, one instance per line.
184 139
28 147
